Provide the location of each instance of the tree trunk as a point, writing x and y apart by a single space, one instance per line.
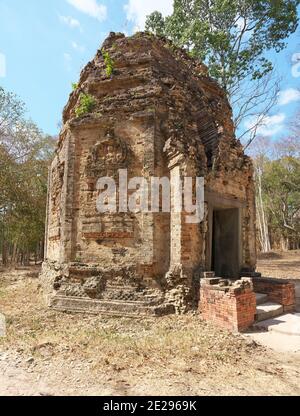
4 253
263 226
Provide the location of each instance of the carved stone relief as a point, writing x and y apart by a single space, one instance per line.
109 154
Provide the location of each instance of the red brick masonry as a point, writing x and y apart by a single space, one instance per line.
278 290
229 305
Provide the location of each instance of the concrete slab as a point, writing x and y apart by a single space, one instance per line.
278 342
281 334
288 324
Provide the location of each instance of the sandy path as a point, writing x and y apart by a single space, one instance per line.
19 378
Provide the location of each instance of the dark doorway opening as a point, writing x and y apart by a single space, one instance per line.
226 243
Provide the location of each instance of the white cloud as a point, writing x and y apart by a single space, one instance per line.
296 65
137 10
269 126
288 96
77 47
91 8
70 21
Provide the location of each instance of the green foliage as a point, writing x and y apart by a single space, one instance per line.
74 86
86 104
109 63
230 36
156 23
25 154
277 174
281 189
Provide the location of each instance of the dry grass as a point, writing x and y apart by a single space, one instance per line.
121 343
80 354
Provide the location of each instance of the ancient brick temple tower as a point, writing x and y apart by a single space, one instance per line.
155 112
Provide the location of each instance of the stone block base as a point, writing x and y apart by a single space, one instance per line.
86 288
109 308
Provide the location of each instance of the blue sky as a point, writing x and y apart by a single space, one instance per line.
45 44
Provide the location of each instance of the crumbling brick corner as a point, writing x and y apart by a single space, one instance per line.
230 305
278 290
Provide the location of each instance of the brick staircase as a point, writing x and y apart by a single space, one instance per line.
265 309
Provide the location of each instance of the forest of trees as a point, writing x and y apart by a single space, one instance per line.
277 177
24 159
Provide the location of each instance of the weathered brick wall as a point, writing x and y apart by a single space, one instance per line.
278 290
231 307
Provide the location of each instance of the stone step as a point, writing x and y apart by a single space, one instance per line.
109 308
268 310
261 298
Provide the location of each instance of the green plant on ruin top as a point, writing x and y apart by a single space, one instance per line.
74 86
109 63
86 104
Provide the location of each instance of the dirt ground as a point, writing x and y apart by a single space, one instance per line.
285 265
50 353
